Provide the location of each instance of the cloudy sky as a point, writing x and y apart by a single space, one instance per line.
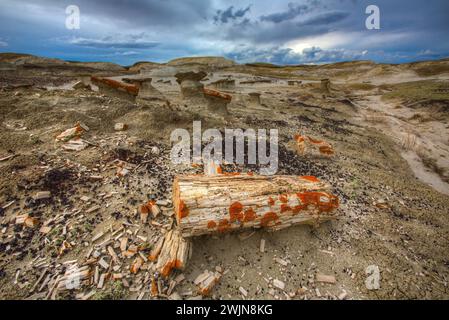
281 32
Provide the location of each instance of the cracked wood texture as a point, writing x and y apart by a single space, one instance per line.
228 202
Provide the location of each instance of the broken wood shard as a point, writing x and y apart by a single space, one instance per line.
308 145
217 204
174 253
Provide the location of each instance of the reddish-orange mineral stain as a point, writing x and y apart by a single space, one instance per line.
310 178
271 201
250 215
267 218
235 212
283 198
285 208
314 198
326 150
299 138
211 224
223 225
314 141
183 211
144 209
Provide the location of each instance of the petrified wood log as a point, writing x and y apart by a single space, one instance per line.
217 102
146 89
216 204
116 88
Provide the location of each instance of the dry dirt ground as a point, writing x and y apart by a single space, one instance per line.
388 124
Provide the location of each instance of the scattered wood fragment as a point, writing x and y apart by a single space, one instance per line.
206 281
325 278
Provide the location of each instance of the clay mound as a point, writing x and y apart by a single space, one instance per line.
213 62
30 61
435 108
143 66
430 68
11 56
103 66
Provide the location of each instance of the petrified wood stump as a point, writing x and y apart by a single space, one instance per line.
191 87
217 204
217 102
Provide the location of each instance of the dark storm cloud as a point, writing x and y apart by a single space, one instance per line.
131 42
229 14
287 56
325 18
292 12
260 32
290 31
137 12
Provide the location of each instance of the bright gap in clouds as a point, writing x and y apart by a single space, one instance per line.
332 40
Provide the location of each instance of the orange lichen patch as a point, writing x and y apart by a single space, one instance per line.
166 270
268 218
328 150
231 174
211 224
283 198
144 209
250 215
271 201
135 266
154 289
235 212
132 250
314 141
310 178
217 94
131 89
183 211
323 201
285 208
250 173
179 265
223 225
299 138
219 170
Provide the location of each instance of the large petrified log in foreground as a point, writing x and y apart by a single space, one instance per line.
217 204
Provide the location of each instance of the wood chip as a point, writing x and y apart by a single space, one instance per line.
325 278
262 245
